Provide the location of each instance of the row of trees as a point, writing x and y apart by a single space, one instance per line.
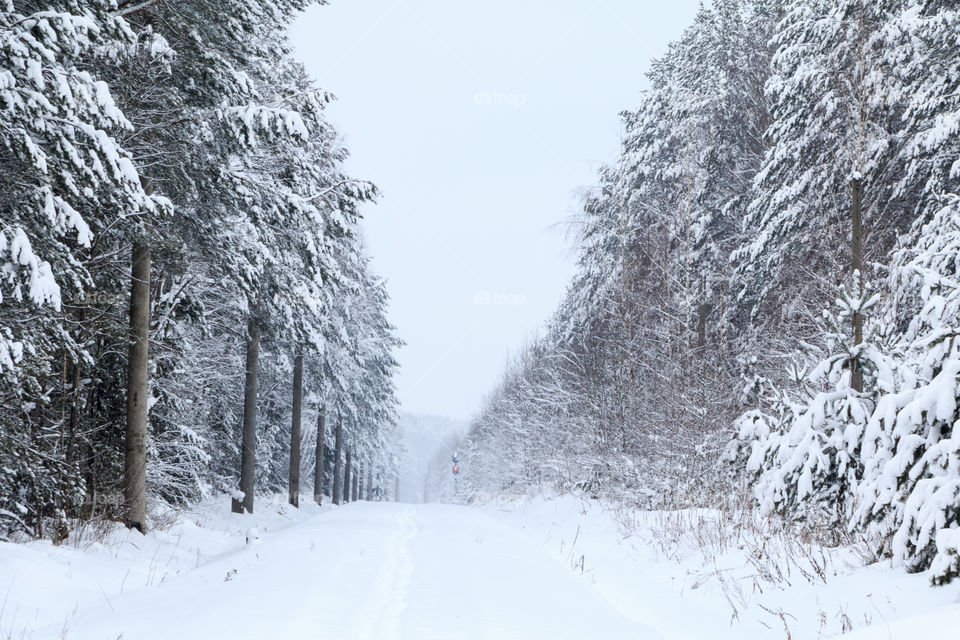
353 478
178 243
775 250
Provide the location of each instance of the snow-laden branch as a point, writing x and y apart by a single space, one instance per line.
125 9
332 188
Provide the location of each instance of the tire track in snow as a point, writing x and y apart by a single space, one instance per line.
390 593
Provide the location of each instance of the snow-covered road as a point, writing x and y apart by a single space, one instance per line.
368 570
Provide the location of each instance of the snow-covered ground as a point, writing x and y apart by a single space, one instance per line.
366 570
689 575
557 568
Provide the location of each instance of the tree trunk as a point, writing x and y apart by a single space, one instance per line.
360 469
396 489
369 483
702 312
338 446
356 481
74 413
294 488
135 463
318 469
347 479
856 260
248 455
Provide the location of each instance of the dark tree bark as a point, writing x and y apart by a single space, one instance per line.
360 469
318 469
856 260
338 447
248 455
294 488
356 492
347 479
74 423
369 483
703 310
135 463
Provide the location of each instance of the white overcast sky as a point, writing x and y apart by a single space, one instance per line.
480 122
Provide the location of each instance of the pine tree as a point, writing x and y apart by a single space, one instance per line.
68 181
911 489
832 133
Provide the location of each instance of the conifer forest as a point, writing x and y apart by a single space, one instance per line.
750 384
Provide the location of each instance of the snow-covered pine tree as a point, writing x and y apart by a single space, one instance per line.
358 363
832 130
923 49
66 181
911 447
265 183
804 452
907 494
215 117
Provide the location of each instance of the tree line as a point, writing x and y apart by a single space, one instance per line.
184 290
767 286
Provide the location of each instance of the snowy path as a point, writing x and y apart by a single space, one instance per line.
367 571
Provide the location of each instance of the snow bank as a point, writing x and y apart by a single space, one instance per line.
48 586
658 568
